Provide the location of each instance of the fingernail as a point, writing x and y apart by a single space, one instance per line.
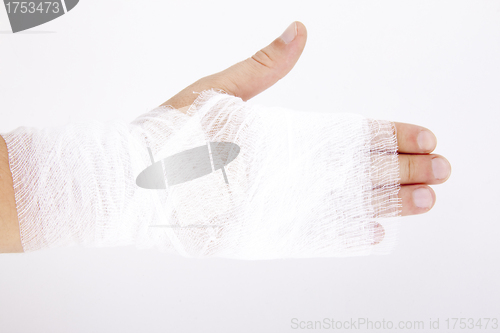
290 33
379 233
440 168
426 141
422 198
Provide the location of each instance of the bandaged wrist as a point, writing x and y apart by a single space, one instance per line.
226 179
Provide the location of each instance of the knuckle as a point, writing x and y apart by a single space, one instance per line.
230 86
410 169
264 59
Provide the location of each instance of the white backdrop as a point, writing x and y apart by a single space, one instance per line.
432 63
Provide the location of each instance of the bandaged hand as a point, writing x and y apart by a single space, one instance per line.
298 184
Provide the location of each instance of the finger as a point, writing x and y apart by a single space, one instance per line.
253 75
416 199
414 139
423 169
379 233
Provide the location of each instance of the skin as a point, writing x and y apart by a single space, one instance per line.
10 240
247 79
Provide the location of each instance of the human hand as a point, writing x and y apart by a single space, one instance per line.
417 167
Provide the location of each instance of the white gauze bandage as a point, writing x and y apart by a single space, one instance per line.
224 179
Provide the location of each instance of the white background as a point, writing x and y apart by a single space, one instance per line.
432 63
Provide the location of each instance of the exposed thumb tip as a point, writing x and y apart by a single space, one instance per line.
255 74
270 64
290 33
295 29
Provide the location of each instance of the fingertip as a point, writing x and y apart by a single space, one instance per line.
290 33
378 233
293 39
417 199
414 139
441 168
423 198
426 141
301 29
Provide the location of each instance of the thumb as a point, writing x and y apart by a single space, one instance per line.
250 77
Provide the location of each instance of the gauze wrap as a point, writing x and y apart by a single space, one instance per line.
303 184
